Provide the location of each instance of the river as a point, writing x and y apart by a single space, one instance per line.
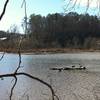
68 85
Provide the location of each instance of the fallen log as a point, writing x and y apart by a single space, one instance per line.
68 68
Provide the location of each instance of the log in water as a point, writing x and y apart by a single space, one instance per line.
68 68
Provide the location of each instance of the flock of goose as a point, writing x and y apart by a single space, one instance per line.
80 66
73 67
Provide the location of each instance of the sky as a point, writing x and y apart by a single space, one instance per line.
14 13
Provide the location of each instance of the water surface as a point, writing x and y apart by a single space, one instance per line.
68 85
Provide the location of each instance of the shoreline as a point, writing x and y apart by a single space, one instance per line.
49 51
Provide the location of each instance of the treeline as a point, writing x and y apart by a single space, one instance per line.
64 31
72 30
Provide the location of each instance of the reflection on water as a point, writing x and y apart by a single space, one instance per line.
68 85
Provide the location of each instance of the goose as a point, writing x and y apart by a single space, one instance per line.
73 66
84 67
80 66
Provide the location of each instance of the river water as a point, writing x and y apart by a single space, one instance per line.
68 85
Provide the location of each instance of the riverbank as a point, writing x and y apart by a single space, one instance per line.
49 50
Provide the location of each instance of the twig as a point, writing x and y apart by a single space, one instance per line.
4 9
13 87
73 5
19 53
88 3
2 56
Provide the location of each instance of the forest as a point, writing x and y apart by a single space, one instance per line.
71 30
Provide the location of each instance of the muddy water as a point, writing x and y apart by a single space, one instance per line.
68 85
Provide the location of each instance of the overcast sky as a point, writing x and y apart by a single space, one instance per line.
15 14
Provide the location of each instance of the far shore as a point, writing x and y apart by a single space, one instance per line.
49 50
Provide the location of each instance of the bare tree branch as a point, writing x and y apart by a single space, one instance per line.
72 4
87 7
2 56
4 9
13 87
32 77
19 53
1 16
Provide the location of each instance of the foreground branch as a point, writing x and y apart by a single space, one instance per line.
13 87
2 56
29 76
19 54
4 9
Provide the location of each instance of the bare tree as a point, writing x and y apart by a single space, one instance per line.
13 29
